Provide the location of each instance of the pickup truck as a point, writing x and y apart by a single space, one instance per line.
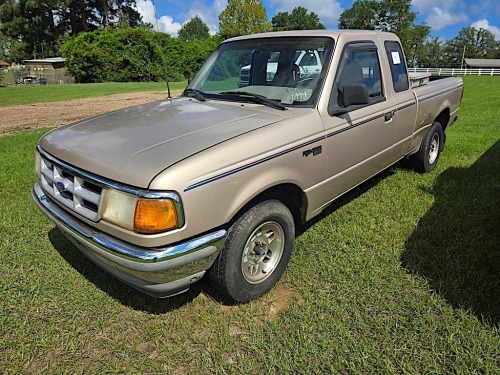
216 182
308 63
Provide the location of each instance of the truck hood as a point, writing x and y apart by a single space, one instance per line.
133 145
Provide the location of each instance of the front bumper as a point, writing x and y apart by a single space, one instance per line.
159 272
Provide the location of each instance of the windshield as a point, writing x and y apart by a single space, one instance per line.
289 71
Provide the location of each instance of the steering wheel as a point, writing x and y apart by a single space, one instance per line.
300 72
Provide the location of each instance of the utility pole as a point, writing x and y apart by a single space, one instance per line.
463 57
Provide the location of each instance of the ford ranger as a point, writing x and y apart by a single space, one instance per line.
216 181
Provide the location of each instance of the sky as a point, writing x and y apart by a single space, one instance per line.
445 17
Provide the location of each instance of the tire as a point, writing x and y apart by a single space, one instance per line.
256 252
426 158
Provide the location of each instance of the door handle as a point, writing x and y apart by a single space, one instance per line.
388 116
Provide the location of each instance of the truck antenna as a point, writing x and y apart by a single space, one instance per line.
168 83
169 96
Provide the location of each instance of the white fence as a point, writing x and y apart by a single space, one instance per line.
457 71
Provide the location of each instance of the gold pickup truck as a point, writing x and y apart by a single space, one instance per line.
217 181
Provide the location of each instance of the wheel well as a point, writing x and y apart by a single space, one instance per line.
444 118
288 194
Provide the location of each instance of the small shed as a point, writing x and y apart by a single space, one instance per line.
53 70
4 65
482 63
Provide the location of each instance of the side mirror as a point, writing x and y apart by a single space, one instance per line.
352 94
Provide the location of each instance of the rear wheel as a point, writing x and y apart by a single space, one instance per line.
256 252
426 158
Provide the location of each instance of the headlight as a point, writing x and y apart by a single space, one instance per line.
38 164
118 208
140 215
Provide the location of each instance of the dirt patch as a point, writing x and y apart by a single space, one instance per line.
282 298
43 115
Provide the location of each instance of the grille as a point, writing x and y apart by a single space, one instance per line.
244 75
74 192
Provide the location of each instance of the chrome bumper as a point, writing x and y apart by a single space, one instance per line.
159 272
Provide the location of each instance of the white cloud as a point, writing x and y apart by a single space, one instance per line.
485 24
327 10
208 14
442 14
147 11
440 18
166 23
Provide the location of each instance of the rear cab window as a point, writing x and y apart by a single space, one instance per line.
397 65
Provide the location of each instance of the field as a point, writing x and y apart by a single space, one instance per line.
35 107
54 93
402 275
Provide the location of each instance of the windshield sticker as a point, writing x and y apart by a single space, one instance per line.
396 60
299 96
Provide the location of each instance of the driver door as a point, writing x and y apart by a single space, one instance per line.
359 137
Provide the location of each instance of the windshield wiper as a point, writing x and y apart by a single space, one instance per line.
261 99
197 94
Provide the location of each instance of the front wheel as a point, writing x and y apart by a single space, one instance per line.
256 252
426 158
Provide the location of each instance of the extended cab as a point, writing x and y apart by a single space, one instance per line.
216 181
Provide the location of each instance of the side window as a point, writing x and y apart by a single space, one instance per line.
368 61
360 65
397 64
309 59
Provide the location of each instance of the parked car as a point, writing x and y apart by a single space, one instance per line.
216 181
307 64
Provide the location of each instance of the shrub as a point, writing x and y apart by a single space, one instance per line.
139 54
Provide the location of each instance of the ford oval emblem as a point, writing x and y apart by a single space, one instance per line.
60 186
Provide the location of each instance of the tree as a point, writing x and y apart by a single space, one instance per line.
243 17
134 54
35 28
195 29
4 45
414 40
88 15
431 54
30 28
299 19
121 13
361 16
115 55
471 43
387 15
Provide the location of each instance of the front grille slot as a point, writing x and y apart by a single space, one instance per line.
92 187
74 192
90 205
66 195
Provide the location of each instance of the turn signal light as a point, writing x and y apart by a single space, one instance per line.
155 216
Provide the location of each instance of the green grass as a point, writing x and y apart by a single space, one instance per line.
29 94
226 84
400 276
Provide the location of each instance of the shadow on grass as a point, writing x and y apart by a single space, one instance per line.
456 245
118 290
